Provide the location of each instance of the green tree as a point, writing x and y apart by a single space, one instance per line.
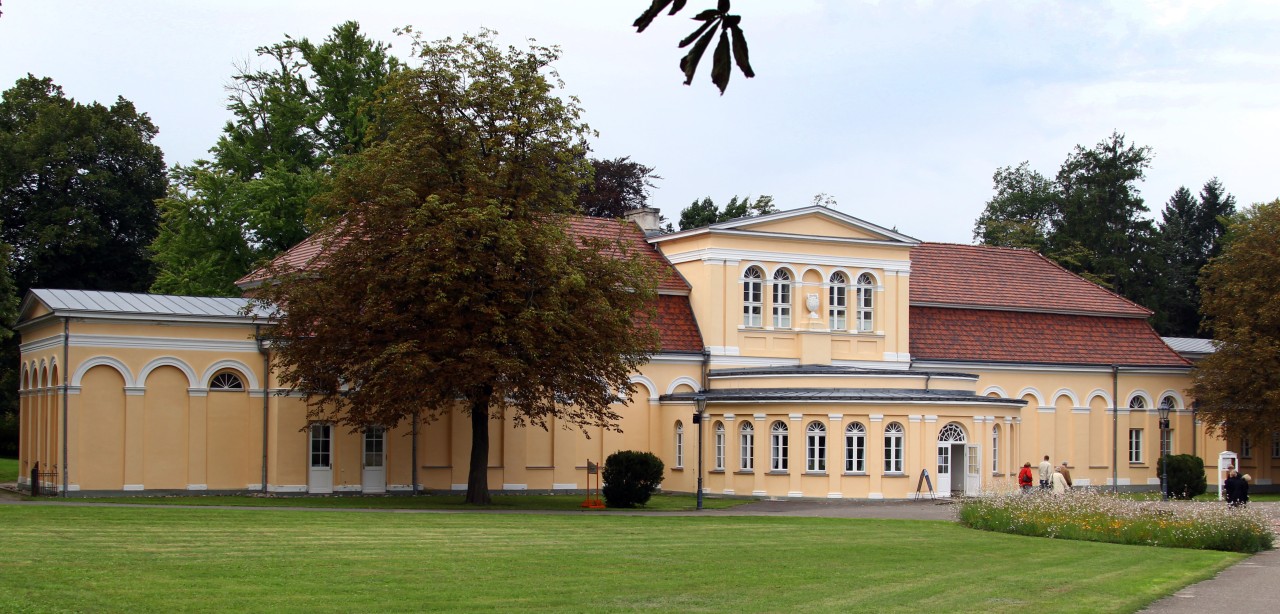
1237 388
290 122
701 213
619 186
78 184
451 282
1189 234
1022 212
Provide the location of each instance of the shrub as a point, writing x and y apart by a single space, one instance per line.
631 477
1186 475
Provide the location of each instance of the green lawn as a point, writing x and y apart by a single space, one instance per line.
660 502
62 558
8 470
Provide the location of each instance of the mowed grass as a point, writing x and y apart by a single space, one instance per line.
658 503
8 470
64 558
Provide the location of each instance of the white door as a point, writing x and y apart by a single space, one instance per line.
972 470
944 469
374 476
320 472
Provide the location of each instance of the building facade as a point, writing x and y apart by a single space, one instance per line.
826 357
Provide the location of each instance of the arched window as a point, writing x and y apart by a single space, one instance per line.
778 446
752 297
893 436
866 286
1166 434
719 459
1137 403
782 298
747 447
838 301
952 433
855 448
679 444
815 447
226 380
995 448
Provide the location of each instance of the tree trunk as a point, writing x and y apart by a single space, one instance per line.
478 474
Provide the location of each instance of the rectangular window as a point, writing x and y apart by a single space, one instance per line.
781 305
752 303
1246 448
864 309
747 442
1275 445
679 446
944 459
816 452
855 452
893 453
778 452
1135 445
995 450
374 446
719 448
1166 442
320 445
838 307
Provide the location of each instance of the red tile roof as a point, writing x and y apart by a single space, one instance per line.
677 328
941 333
1007 278
629 234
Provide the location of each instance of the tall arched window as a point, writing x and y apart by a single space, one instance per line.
679 444
752 297
1135 435
893 436
782 298
719 458
838 301
866 286
747 447
815 447
855 448
995 448
1166 434
778 446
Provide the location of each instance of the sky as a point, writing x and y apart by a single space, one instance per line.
900 111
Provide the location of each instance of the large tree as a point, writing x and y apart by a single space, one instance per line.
1022 212
1237 388
450 281
1188 236
78 184
290 121
704 212
619 186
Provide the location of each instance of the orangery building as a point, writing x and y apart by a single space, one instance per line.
805 353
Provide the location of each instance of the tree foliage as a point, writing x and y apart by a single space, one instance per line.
713 20
701 213
1237 388
619 186
450 281
631 478
291 120
1022 212
78 184
1188 236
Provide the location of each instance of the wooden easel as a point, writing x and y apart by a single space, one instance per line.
925 481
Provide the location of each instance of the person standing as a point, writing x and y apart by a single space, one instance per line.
1024 477
1060 485
1066 474
1046 472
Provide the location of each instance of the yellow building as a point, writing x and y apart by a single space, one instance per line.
830 358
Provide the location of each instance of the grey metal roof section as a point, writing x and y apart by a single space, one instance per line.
831 370
881 395
127 303
1190 345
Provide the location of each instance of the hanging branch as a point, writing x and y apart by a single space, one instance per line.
712 20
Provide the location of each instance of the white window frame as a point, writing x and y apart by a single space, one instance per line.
782 298
679 444
995 449
855 448
321 445
838 302
866 303
719 446
779 446
815 447
1135 445
1246 448
752 297
894 443
375 446
747 447
226 381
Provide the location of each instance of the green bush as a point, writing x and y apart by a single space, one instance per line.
1186 475
630 478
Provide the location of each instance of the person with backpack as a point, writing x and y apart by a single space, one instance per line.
1024 477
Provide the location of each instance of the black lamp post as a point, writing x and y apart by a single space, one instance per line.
1164 451
698 418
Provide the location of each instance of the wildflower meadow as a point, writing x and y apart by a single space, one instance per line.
1104 517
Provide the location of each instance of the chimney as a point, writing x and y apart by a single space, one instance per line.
646 218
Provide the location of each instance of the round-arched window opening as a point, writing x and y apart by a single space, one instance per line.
226 381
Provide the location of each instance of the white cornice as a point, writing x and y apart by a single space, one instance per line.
716 253
163 343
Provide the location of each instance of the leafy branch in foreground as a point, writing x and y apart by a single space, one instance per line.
712 20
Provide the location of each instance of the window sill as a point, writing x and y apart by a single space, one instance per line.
778 472
894 475
854 473
744 472
679 468
716 471
816 473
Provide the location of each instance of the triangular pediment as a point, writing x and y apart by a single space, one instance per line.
811 223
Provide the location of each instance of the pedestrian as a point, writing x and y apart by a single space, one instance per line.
1232 491
1046 472
1244 489
1060 485
1066 475
1024 477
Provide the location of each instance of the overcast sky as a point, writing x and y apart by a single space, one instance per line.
901 111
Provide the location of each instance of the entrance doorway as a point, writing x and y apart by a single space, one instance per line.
373 478
320 465
959 464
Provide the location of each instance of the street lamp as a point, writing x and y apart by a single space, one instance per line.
1164 451
698 417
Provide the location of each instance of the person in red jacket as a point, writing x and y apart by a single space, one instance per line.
1024 477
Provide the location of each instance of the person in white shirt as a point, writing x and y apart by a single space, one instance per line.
1046 472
